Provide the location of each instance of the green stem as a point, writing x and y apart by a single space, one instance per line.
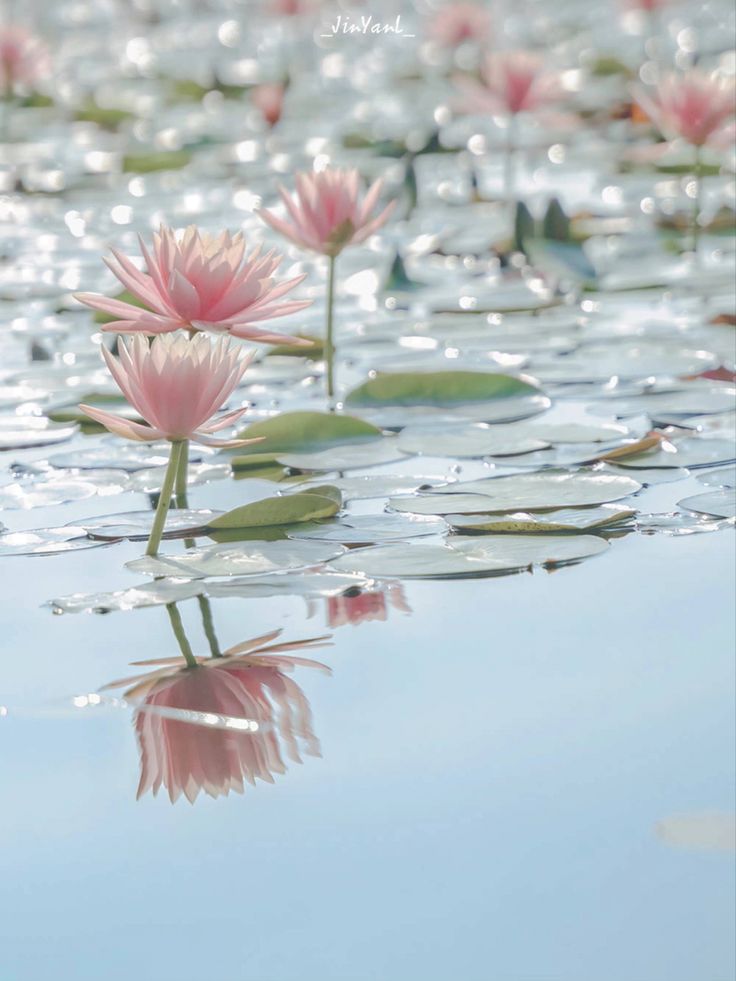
181 476
697 199
329 341
164 500
178 627
209 626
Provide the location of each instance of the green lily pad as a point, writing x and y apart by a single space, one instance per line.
148 163
301 432
107 118
437 388
319 502
565 520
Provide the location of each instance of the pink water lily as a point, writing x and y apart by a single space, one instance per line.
329 213
695 105
200 282
511 82
176 385
223 721
269 101
456 23
24 58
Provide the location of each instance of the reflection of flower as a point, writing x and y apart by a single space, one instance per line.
177 385
199 282
23 58
511 82
694 105
328 213
227 720
456 23
357 606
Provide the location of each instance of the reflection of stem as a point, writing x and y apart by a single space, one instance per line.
164 499
697 199
329 341
209 626
508 169
178 627
181 476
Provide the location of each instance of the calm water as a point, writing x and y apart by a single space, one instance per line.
494 767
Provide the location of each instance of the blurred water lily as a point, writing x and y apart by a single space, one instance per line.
457 23
220 722
357 606
199 282
328 214
24 59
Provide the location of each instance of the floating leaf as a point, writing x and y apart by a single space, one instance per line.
437 388
723 477
542 490
467 440
148 163
255 558
24 494
720 503
319 502
382 485
304 432
23 432
466 558
136 525
363 529
355 457
692 451
676 523
566 520
323 583
45 541
149 594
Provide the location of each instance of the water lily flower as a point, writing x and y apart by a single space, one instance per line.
698 107
269 101
24 59
511 82
222 721
199 282
694 105
327 215
176 385
456 23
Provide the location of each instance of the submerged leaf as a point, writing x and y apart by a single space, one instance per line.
437 388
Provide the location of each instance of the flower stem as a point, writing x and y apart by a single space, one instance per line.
209 626
182 473
329 340
164 499
697 200
178 627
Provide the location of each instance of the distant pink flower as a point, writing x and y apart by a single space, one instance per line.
696 106
361 606
199 282
511 82
328 214
176 385
226 721
24 58
290 8
647 5
269 100
456 23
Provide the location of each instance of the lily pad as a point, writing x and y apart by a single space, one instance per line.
719 503
251 559
24 494
136 525
352 457
363 529
467 440
46 541
543 490
690 452
722 477
437 388
319 502
322 583
566 520
467 558
304 432
23 432
134 598
382 485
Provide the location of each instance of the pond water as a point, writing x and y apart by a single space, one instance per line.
441 685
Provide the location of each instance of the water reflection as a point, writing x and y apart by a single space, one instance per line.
356 605
214 723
